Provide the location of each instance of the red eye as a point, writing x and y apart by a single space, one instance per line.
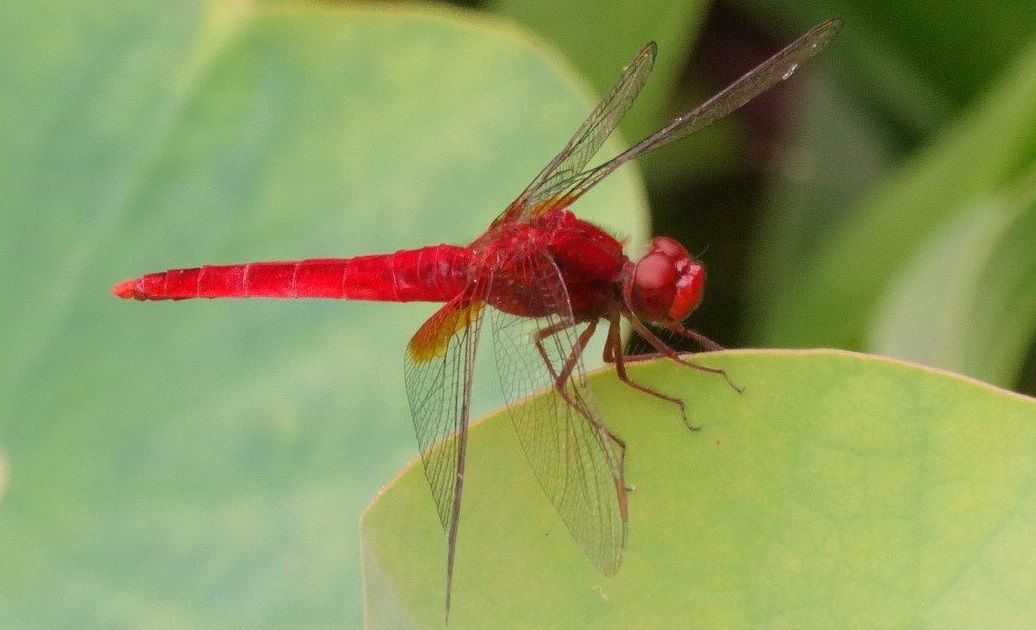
667 283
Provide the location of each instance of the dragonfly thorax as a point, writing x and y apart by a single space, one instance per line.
667 283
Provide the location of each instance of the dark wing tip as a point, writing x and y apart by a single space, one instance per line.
823 33
649 50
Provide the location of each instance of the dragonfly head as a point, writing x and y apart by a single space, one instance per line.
667 283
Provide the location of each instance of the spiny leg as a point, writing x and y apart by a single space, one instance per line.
560 378
570 360
666 351
613 354
703 342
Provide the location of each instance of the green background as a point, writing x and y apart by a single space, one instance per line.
206 464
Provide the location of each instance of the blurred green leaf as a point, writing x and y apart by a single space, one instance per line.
967 300
838 489
829 298
203 464
922 61
834 150
601 38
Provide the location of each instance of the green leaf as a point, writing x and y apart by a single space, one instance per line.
907 57
624 27
837 490
830 298
834 151
204 464
601 38
967 300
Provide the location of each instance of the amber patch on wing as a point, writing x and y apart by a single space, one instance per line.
554 202
432 338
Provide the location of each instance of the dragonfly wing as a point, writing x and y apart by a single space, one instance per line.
562 192
588 139
438 372
577 460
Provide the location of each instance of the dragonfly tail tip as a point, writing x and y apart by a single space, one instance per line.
125 289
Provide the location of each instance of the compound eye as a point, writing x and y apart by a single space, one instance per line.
689 290
667 283
654 286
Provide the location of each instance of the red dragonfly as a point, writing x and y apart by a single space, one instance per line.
546 278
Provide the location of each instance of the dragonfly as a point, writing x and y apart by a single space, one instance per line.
546 279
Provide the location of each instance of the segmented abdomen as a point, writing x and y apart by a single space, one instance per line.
431 274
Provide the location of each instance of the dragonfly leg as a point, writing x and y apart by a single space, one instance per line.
577 351
613 354
560 381
561 378
703 342
549 331
668 352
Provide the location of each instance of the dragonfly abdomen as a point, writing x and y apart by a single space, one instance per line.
430 274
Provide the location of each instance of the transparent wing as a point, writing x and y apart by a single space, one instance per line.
576 459
588 139
562 192
438 373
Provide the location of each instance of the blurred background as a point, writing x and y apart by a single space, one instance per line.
205 464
